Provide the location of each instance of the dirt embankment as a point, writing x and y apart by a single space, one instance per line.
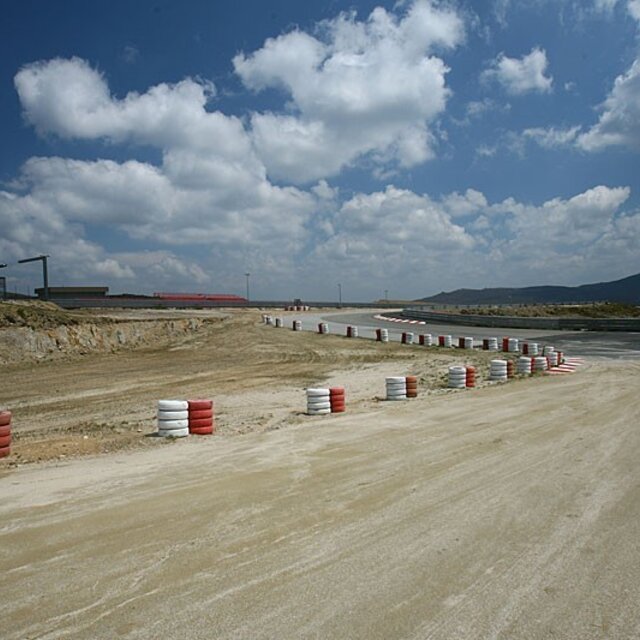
38 331
600 310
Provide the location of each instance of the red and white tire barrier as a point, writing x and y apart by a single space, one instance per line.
352 332
407 337
5 433
201 417
445 341
318 401
465 343
510 345
296 325
470 380
552 359
547 349
279 323
268 319
173 418
498 371
524 366
337 399
490 344
569 365
323 327
396 388
529 348
425 339
457 377
382 335
411 383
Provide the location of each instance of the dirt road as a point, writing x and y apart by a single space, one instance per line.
502 512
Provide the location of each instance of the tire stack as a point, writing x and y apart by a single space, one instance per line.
352 332
407 337
279 323
470 380
457 377
173 418
268 320
396 388
530 348
513 345
5 433
336 399
444 341
201 420
297 325
382 335
498 370
411 383
323 327
490 344
511 369
525 364
318 402
552 357
467 343
560 357
540 363
425 339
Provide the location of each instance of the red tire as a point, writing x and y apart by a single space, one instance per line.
4 451
411 379
412 393
202 431
5 430
201 423
340 408
336 391
5 418
199 414
5 441
198 405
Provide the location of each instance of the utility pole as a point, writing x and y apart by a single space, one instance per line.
45 272
339 295
386 295
3 282
247 277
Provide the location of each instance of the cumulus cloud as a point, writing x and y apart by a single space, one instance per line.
521 75
354 88
619 123
551 137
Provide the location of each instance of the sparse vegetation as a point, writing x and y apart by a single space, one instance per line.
596 310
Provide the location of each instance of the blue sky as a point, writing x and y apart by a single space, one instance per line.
407 146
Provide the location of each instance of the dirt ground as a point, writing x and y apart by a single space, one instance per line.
508 511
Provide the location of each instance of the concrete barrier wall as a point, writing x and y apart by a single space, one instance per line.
571 324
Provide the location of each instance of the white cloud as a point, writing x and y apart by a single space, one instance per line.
520 76
619 123
551 137
356 88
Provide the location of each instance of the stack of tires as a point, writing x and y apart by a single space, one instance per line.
297 325
201 419
352 332
525 364
513 345
268 319
530 348
5 433
466 343
552 357
498 370
396 388
471 376
382 335
411 383
407 337
337 399
279 323
173 418
444 341
426 340
540 363
318 401
323 327
457 377
511 369
490 344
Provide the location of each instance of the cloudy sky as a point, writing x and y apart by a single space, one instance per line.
411 146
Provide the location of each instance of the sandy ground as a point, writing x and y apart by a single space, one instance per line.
508 511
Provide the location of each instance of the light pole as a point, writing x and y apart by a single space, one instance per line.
339 295
45 272
3 282
246 275
386 295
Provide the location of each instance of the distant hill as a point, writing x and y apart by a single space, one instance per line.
625 290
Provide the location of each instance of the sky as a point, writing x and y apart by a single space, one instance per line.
402 147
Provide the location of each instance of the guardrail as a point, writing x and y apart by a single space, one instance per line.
514 322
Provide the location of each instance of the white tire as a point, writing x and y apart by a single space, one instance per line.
173 433
173 415
173 424
396 379
311 392
325 404
173 405
398 397
318 412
